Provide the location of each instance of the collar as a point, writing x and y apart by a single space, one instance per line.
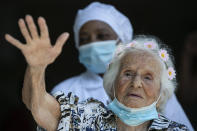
159 124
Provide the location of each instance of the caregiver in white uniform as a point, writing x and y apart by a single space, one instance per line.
97 29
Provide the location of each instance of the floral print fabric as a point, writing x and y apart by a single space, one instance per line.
92 115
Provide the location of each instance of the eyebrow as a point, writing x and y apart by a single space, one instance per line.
148 70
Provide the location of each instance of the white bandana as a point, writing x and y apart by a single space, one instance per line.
105 13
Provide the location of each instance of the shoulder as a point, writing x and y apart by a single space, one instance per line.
89 106
93 106
89 114
97 116
164 123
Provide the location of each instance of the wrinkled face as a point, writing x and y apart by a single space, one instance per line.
93 31
138 81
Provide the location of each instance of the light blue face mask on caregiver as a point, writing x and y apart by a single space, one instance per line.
134 116
96 56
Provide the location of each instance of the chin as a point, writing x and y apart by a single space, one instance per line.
132 105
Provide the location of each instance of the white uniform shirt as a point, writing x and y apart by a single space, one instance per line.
84 86
88 85
175 112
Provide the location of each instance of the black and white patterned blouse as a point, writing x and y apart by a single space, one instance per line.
92 115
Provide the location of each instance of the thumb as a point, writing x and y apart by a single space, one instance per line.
61 41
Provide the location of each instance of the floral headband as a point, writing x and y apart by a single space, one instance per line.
164 56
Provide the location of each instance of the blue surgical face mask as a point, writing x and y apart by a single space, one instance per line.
96 56
134 116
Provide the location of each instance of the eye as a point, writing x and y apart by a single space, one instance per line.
128 74
83 40
103 36
148 77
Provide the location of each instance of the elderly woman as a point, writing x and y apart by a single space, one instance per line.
97 28
139 81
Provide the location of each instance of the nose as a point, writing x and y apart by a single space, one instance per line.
137 83
93 38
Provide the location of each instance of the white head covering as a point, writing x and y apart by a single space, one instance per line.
105 13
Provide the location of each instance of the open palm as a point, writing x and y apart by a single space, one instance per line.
38 50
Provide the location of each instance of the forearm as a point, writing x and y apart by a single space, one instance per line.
44 108
34 86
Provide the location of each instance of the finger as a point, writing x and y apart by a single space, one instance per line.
24 30
14 41
32 27
43 27
61 41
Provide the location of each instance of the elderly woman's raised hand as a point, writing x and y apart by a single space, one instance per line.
38 50
39 53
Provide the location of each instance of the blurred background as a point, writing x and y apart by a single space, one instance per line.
173 21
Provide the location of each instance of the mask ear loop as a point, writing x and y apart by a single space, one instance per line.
118 41
158 97
114 92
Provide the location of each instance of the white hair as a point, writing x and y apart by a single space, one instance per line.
167 86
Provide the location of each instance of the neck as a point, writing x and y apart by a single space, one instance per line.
121 126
